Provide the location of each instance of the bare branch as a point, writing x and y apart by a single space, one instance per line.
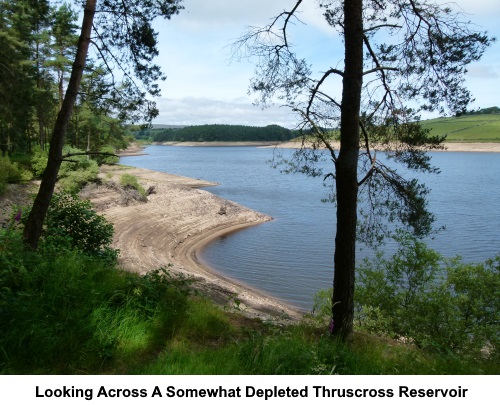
319 133
379 68
319 84
376 27
289 15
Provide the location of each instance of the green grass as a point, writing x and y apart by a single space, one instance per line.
72 314
130 181
469 128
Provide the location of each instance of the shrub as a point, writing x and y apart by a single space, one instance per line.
418 296
129 181
104 159
74 173
39 160
77 171
9 173
73 222
72 181
23 162
436 303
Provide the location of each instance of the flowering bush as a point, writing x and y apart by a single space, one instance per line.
74 221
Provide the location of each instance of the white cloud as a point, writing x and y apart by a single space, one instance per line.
203 87
479 8
199 15
483 72
200 110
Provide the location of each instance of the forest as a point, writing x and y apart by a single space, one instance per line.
221 133
37 44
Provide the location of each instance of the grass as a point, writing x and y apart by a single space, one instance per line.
469 128
130 181
71 314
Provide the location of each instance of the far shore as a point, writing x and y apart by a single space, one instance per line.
448 146
492 147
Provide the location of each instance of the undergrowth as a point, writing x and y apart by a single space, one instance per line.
77 314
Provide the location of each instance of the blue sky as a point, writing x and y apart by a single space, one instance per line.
204 86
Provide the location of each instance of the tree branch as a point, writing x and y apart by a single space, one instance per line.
318 85
319 133
380 68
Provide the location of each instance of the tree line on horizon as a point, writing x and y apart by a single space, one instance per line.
489 110
219 133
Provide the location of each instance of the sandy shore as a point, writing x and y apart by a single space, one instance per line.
171 228
472 147
448 146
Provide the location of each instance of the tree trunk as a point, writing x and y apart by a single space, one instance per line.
347 172
33 228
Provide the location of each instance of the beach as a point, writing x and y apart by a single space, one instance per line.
173 226
447 146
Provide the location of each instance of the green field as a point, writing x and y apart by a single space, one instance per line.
469 128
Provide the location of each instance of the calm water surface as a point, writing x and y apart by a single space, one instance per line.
292 256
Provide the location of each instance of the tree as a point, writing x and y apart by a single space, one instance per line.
123 36
17 71
397 54
63 31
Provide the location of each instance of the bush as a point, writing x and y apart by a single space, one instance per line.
39 160
74 172
420 297
72 181
9 170
77 171
437 303
104 159
129 181
9 173
72 222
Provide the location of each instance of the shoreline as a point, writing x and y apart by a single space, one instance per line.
179 221
483 147
172 228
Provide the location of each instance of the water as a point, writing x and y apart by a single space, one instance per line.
292 256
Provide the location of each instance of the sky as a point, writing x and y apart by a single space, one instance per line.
205 85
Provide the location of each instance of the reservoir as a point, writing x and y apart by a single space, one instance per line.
292 257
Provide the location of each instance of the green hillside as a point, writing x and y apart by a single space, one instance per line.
467 128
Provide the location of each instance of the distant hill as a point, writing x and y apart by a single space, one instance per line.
479 126
164 126
217 133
